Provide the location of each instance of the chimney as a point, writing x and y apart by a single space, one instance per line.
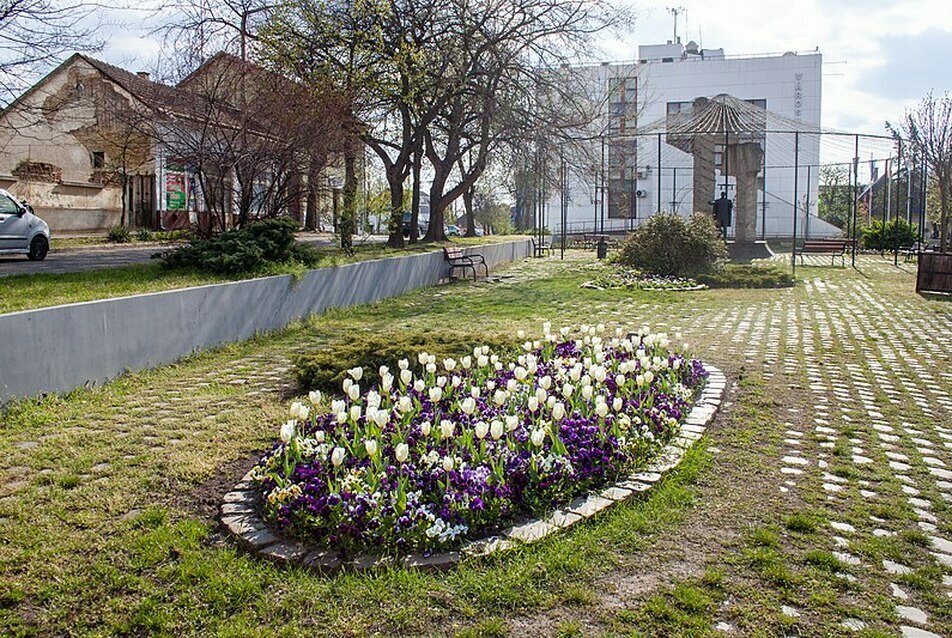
143 74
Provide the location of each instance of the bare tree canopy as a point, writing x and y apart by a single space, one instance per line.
34 34
928 128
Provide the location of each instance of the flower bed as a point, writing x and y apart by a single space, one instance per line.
446 451
621 278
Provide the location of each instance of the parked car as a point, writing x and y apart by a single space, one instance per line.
453 231
21 231
421 226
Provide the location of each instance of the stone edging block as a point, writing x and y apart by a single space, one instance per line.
240 508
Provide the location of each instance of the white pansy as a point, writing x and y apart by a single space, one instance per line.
371 446
436 394
287 430
538 438
482 428
558 411
448 463
468 405
356 373
446 428
496 429
337 456
401 452
315 396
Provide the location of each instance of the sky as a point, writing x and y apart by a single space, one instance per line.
880 57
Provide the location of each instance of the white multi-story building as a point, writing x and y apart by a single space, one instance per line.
641 174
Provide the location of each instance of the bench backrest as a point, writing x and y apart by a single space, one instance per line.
826 243
452 253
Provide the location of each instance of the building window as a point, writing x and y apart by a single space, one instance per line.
99 160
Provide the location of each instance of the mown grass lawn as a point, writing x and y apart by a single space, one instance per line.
108 496
26 292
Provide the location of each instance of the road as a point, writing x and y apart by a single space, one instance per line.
78 259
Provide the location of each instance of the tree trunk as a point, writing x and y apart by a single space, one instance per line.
470 215
415 202
395 239
436 231
349 210
310 205
945 185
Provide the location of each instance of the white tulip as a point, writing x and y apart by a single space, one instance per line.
315 396
357 373
558 411
541 395
482 360
449 364
520 373
403 364
441 381
474 392
338 405
545 382
381 418
532 404
436 394
564 331
649 377
498 365
496 429
370 412
423 357
455 381
355 412
527 346
425 428
373 398
446 428
431 359
512 422
353 392
405 404
547 327
448 463
371 446
468 405
419 385
287 431
500 397
401 452
550 401
337 456
342 416
511 385
601 409
383 371
386 382
319 436
620 380
481 429
587 392
538 437
347 383
406 376
640 380
567 390
466 362
431 368
617 404
676 364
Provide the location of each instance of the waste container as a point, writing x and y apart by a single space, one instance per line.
602 248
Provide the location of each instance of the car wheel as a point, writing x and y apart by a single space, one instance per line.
38 249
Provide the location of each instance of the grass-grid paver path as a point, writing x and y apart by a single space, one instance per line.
818 504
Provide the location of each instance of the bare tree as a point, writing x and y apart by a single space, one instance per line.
34 34
928 127
199 28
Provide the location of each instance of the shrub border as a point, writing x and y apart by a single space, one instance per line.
240 510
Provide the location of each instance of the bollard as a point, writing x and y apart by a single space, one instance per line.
602 248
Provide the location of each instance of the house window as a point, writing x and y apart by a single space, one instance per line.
99 160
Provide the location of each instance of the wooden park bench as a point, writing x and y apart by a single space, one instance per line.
833 247
458 260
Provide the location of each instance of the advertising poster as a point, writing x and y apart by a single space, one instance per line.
175 192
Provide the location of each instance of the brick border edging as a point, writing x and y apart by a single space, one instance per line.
240 509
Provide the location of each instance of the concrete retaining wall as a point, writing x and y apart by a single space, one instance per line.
61 348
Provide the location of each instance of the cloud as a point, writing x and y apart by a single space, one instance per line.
913 66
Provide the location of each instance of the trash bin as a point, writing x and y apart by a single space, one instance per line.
602 248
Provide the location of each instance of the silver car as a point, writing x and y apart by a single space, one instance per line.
22 232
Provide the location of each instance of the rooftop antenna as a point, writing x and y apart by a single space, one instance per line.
675 11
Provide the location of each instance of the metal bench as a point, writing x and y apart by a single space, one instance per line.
458 260
833 247
542 250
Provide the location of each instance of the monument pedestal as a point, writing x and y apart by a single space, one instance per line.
747 250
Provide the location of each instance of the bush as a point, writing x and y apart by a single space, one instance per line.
747 276
886 236
326 368
667 245
249 249
119 235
